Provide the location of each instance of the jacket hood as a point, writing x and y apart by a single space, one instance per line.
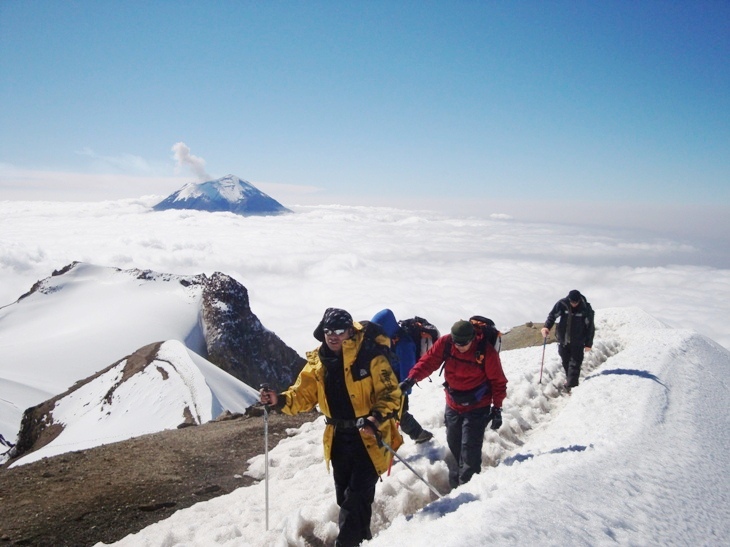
386 319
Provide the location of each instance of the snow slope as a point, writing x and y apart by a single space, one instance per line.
91 317
637 455
110 409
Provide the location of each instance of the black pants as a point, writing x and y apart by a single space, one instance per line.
572 357
355 480
465 437
408 424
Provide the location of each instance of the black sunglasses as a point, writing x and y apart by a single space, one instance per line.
338 332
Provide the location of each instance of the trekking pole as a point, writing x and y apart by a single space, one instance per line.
542 363
362 422
266 455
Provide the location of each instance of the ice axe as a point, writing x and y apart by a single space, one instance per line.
362 422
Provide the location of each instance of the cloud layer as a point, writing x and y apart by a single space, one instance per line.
364 259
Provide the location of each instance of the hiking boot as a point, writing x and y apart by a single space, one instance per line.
423 437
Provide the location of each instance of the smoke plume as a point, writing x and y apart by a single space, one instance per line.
184 158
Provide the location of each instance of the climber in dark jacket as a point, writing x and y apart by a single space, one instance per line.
574 332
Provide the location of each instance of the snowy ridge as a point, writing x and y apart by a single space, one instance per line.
84 318
618 461
62 331
118 404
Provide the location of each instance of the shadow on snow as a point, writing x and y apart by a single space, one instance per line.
518 458
444 506
628 372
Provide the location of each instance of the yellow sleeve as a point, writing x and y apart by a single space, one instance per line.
303 396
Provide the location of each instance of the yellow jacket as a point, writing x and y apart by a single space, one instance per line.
378 392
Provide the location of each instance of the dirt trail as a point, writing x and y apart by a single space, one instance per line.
105 493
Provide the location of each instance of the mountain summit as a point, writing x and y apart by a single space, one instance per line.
228 193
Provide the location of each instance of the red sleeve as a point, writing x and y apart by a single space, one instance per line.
495 374
429 361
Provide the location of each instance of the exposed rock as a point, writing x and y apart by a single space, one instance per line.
525 336
237 341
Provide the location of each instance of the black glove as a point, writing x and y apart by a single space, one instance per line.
495 416
406 385
364 423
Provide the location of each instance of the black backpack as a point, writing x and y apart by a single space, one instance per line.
422 332
487 326
370 348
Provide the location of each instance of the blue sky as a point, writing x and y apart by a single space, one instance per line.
372 102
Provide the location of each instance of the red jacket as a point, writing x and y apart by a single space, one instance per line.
462 372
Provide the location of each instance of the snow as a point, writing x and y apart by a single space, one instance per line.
85 320
229 188
228 193
638 454
160 391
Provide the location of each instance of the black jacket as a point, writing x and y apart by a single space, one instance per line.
576 324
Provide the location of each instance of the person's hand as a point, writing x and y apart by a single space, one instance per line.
368 426
268 396
587 349
495 416
545 331
406 385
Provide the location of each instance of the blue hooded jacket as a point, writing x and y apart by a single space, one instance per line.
403 347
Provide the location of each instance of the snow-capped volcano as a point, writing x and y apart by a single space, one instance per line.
228 193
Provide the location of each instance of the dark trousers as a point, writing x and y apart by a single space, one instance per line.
572 357
465 437
408 424
355 480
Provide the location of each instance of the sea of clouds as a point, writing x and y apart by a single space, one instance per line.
443 267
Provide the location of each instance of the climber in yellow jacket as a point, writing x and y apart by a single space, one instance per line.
349 377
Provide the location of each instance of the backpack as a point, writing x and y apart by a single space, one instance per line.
492 336
487 326
374 342
422 332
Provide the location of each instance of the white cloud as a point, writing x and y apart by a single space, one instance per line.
439 266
